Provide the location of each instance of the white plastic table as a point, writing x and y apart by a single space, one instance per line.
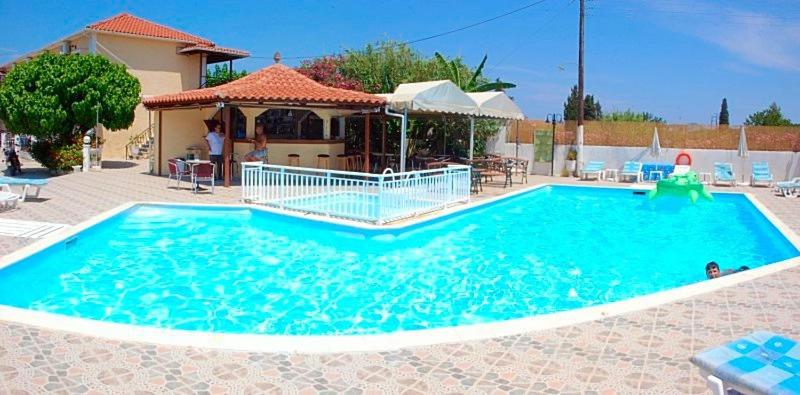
612 174
654 172
705 178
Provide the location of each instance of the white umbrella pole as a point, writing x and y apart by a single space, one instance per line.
471 136
743 151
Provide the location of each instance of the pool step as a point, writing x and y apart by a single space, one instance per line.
28 229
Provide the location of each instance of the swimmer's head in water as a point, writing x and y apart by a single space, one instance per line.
712 270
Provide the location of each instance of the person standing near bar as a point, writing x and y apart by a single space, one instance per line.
215 140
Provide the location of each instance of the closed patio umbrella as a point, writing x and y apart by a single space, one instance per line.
742 143
655 146
742 152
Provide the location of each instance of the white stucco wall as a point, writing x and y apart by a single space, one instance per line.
784 165
159 69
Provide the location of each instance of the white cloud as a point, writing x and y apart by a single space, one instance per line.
757 38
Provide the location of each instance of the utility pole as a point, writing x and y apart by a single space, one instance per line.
579 132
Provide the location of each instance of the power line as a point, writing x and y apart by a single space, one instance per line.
553 16
477 23
637 12
431 37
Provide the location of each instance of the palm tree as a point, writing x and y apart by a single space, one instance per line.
454 71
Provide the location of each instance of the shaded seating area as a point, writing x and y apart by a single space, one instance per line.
445 99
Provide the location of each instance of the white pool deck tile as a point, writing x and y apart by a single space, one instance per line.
642 351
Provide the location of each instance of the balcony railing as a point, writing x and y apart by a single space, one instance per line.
375 198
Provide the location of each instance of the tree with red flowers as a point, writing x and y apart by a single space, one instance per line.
327 71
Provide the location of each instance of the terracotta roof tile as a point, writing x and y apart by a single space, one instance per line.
129 24
276 83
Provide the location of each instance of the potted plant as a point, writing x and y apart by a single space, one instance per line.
571 162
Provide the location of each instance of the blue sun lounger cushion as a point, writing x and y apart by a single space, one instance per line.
22 181
760 363
27 183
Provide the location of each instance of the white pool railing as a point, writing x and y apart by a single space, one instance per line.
376 198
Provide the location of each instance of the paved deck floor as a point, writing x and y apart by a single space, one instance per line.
641 352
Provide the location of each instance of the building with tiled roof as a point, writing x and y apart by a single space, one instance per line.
164 59
300 118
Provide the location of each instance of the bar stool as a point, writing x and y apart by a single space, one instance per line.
323 160
358 162
294 160
342 162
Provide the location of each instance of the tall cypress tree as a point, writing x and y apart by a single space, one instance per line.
591 107
724 117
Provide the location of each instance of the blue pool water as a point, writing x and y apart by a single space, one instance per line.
356 206
245 271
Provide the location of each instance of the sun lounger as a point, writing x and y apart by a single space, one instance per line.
761 174
789 188
27 183
723 174
632 169
8 200
759 363
595 168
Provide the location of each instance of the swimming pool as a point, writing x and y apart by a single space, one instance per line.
240 270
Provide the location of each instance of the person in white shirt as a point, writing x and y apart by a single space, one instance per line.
215 140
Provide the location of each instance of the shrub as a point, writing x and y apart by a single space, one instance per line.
57 155
572 154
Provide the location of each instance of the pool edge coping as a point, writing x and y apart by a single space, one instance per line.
320 344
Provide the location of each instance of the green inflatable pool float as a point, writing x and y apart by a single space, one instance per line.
681 185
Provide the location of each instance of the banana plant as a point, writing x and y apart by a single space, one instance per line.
473 84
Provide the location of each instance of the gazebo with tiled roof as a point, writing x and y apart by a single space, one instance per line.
273 87
276 84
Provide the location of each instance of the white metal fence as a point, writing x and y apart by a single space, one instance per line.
377 198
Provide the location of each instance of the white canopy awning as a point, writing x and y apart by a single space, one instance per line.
431 97
496 105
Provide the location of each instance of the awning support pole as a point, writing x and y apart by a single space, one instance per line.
471 136
383 142
403 148
403 125
367 152
227 147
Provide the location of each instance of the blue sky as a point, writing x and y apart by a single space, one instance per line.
673 58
